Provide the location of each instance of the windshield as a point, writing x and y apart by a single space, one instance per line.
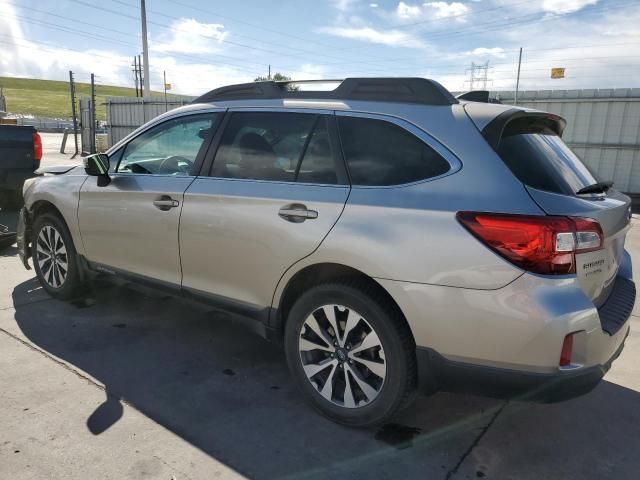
540 159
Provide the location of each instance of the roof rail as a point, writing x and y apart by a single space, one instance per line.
407 90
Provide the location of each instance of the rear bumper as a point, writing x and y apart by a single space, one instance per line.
507 342
436 373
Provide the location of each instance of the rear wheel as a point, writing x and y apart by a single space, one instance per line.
54 257
350 353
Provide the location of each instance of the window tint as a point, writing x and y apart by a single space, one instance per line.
382 153
271 145
170 148
539 158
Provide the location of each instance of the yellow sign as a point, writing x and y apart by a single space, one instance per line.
167 86
557 73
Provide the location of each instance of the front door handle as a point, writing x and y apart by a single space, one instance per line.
165 202
297 213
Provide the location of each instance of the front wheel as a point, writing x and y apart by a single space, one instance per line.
54 257
350 353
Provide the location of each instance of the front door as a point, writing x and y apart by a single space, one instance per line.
276 189
132 224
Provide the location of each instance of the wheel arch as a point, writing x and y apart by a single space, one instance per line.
297 283
44 206
41 207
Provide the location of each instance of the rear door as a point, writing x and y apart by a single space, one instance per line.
553 176
276 187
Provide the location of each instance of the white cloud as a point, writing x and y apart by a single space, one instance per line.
394 38
343 5
20 57
308 71
190 36
406 11
430 10
195 78
445 10
373 5
482 51
566 6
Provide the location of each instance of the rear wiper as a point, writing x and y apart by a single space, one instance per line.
599 187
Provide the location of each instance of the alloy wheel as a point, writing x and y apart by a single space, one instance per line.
51 255
342 356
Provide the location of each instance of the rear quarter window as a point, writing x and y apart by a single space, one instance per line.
382 153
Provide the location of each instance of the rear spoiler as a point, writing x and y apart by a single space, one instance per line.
481 96
493 131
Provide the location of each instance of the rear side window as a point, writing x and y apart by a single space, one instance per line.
276 146
382 153
539 158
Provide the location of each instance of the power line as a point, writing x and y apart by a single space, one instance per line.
508 23
162 25
117 41
459 15
382 69
243 22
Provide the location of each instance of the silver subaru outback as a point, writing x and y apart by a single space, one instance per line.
392 237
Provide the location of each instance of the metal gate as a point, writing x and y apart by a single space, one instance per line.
86 130
125 114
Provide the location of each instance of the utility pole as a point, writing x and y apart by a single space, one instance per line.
269 75
145 47
93 114
515 100
140 75
135 73
72 88
164 79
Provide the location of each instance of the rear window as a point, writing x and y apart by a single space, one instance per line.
539 158
382 153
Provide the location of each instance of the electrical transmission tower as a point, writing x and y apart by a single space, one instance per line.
478 76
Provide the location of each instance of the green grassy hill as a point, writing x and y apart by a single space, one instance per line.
51 98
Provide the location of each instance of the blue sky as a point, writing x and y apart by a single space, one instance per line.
202 45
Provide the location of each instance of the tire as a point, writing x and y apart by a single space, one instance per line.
374 391
47 230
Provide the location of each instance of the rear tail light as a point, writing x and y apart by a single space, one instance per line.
539 244
37 146
567 351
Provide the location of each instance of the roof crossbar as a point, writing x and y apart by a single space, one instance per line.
402 90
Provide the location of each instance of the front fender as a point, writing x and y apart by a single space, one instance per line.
62 193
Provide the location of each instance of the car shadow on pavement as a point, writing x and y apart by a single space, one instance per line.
228 393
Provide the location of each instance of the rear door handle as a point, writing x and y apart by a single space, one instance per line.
165 202
297 213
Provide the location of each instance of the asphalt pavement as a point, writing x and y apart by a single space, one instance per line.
130 383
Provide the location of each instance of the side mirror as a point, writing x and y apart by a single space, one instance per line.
97 165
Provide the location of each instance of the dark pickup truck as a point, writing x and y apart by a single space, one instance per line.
20 154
